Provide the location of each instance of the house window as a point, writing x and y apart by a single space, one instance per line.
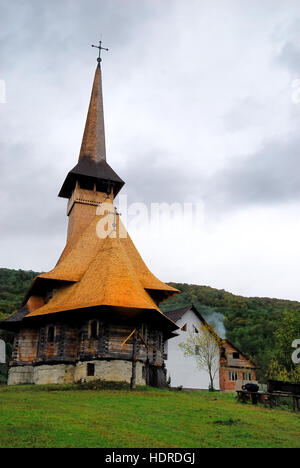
236 355
184 328
51 334
94 329
247 376
233 376
90 370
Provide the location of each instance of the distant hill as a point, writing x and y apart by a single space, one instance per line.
249 323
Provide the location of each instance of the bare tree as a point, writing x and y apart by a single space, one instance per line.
204 346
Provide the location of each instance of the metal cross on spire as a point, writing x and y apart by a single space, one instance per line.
99 59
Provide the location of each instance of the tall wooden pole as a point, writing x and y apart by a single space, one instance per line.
134 356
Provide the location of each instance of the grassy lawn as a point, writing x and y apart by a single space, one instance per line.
32 417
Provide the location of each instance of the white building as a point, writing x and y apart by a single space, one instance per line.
183 370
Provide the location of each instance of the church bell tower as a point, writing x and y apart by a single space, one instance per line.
92 181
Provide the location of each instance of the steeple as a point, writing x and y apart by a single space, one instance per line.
93 143
92 168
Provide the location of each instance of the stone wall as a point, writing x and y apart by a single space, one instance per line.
53 374
20 375
114 370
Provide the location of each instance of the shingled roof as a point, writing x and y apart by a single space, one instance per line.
177 314
103 272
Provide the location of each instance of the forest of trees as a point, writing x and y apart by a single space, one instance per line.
262 328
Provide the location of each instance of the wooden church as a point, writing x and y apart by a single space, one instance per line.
96 314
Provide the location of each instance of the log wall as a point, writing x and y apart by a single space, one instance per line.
74 342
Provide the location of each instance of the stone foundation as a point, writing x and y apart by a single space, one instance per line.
20 375
114 370
55 374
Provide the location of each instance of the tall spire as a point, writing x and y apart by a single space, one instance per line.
92 167
93 143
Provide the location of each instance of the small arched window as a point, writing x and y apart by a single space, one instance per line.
94 329
51 334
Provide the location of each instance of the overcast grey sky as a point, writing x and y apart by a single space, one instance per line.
199 107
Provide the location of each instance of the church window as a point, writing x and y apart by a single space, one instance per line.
184 328
144 333
90 370
195 329
100 187
159 341
87 184
51 334
94 329
49 295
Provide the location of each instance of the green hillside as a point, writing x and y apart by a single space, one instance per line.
251 324
66 417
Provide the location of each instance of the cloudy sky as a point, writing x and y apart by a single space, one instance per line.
202 106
